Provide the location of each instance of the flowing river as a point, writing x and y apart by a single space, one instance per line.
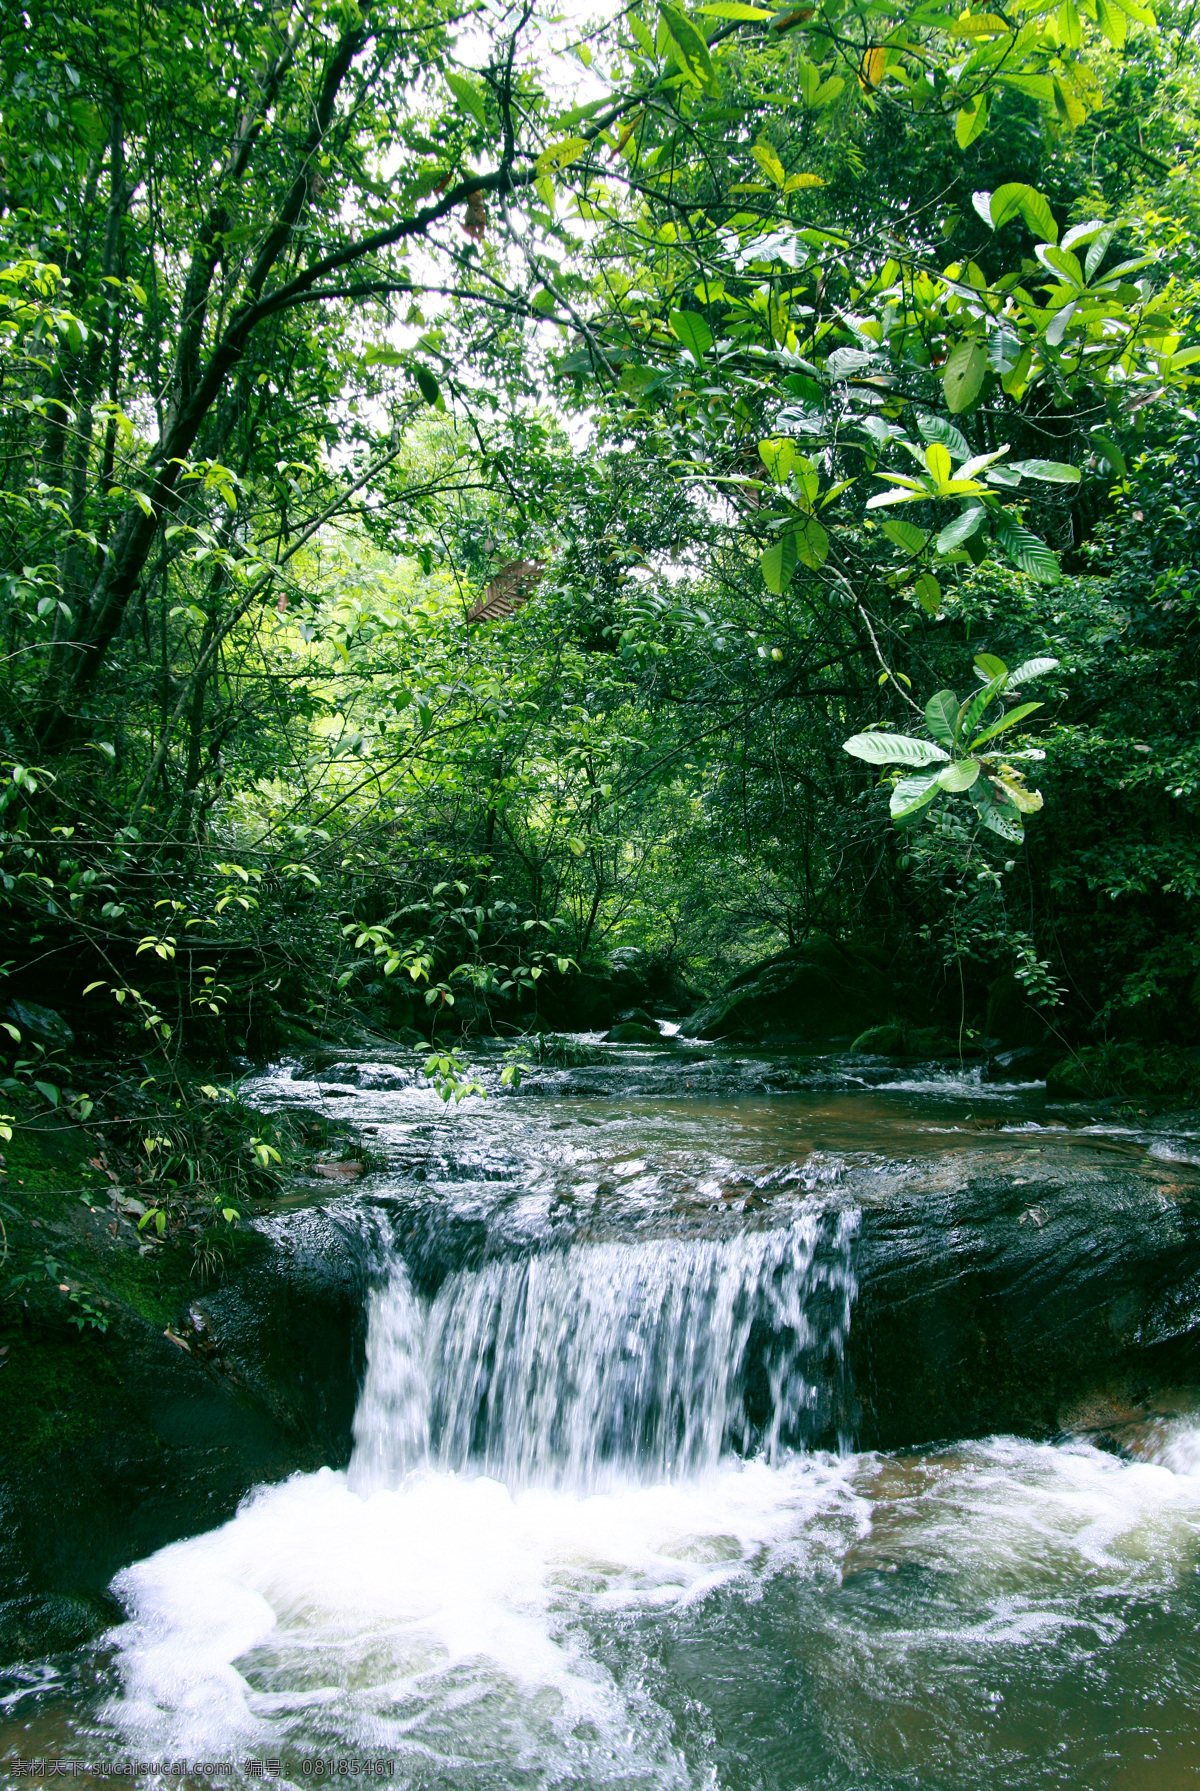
607 1520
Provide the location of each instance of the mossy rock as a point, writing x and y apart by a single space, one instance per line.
817 990
1130 1071
880 1041
632 1032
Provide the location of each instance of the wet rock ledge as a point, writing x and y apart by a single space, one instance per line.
116 1444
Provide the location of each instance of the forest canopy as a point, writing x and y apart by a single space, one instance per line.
468 470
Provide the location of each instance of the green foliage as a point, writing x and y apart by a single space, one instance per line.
992 781
449 530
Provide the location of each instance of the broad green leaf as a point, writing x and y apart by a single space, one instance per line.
770 163
1061 263
1070 25
912 794
1028 801
971 122
937 429
691 46
467 95
1109 449
959 776
989 666
979 463
560 155
692 331
778 455
906 535
899 494
893 749
1029 669
937 459
1003 819
1008 721
812 543
778 564
430 389
979 24
1004 203
961 529
1098 250
1035 209
731 9
1026 550
636 381
929 593
941 714
963 375
1051 472
973 708
1112 22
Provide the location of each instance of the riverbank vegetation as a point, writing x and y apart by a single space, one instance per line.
467 473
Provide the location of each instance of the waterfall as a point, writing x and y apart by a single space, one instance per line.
594 1362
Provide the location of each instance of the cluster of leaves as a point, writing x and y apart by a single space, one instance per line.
992 780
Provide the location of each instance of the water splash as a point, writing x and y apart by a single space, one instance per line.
594 1363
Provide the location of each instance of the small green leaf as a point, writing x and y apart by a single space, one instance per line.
964 375
941 714
989 666
1009 721
929 593
467 95
974 706
1029 669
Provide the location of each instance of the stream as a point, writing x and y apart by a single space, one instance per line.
608 1522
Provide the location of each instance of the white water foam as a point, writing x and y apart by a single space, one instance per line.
441 1618
460 1626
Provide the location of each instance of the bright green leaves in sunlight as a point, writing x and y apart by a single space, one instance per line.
691 49
1007 202
691 331
962 381
468 96
992 780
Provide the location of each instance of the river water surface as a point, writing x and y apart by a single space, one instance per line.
603 1526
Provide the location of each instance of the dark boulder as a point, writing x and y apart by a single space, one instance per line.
818 990
116 1444
1007 1295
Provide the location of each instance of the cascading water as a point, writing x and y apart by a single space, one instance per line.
594 1533
581 1366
